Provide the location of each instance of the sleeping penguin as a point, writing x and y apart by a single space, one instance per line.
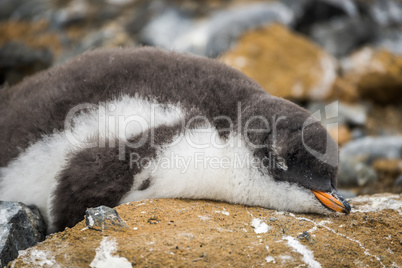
120 125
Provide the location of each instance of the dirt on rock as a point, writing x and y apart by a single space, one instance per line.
181 233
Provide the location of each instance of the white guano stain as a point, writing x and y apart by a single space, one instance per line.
38 258
222 212
308 256
269 258
260 226
378 203
104 257
91 221
204 218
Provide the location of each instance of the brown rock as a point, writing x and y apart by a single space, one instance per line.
391 166
25 48
186 233
376 73
388 171
343 91
341 134
284 63
33 34
384 120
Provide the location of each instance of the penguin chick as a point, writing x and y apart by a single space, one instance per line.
120 125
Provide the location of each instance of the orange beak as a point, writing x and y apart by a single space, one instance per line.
333 201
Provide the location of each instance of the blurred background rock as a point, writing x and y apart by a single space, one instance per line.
312 52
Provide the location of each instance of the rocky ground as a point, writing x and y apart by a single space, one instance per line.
184 233
312 52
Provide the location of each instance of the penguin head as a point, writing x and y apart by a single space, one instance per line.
299 150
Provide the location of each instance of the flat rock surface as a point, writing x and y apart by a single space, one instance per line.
203 233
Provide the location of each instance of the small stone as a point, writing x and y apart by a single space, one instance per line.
104 218
153 221
305 236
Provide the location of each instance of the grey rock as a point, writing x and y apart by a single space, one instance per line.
371 148
17 60
341 35
166 28
390 40
103 218
386 12
308 12
353 171
210 36
351 114
83 12
76 12
91 41
358 133
18 54
24 10
142 15
103 37
21 227
338 26
305 236
346 193
398 181
348 6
